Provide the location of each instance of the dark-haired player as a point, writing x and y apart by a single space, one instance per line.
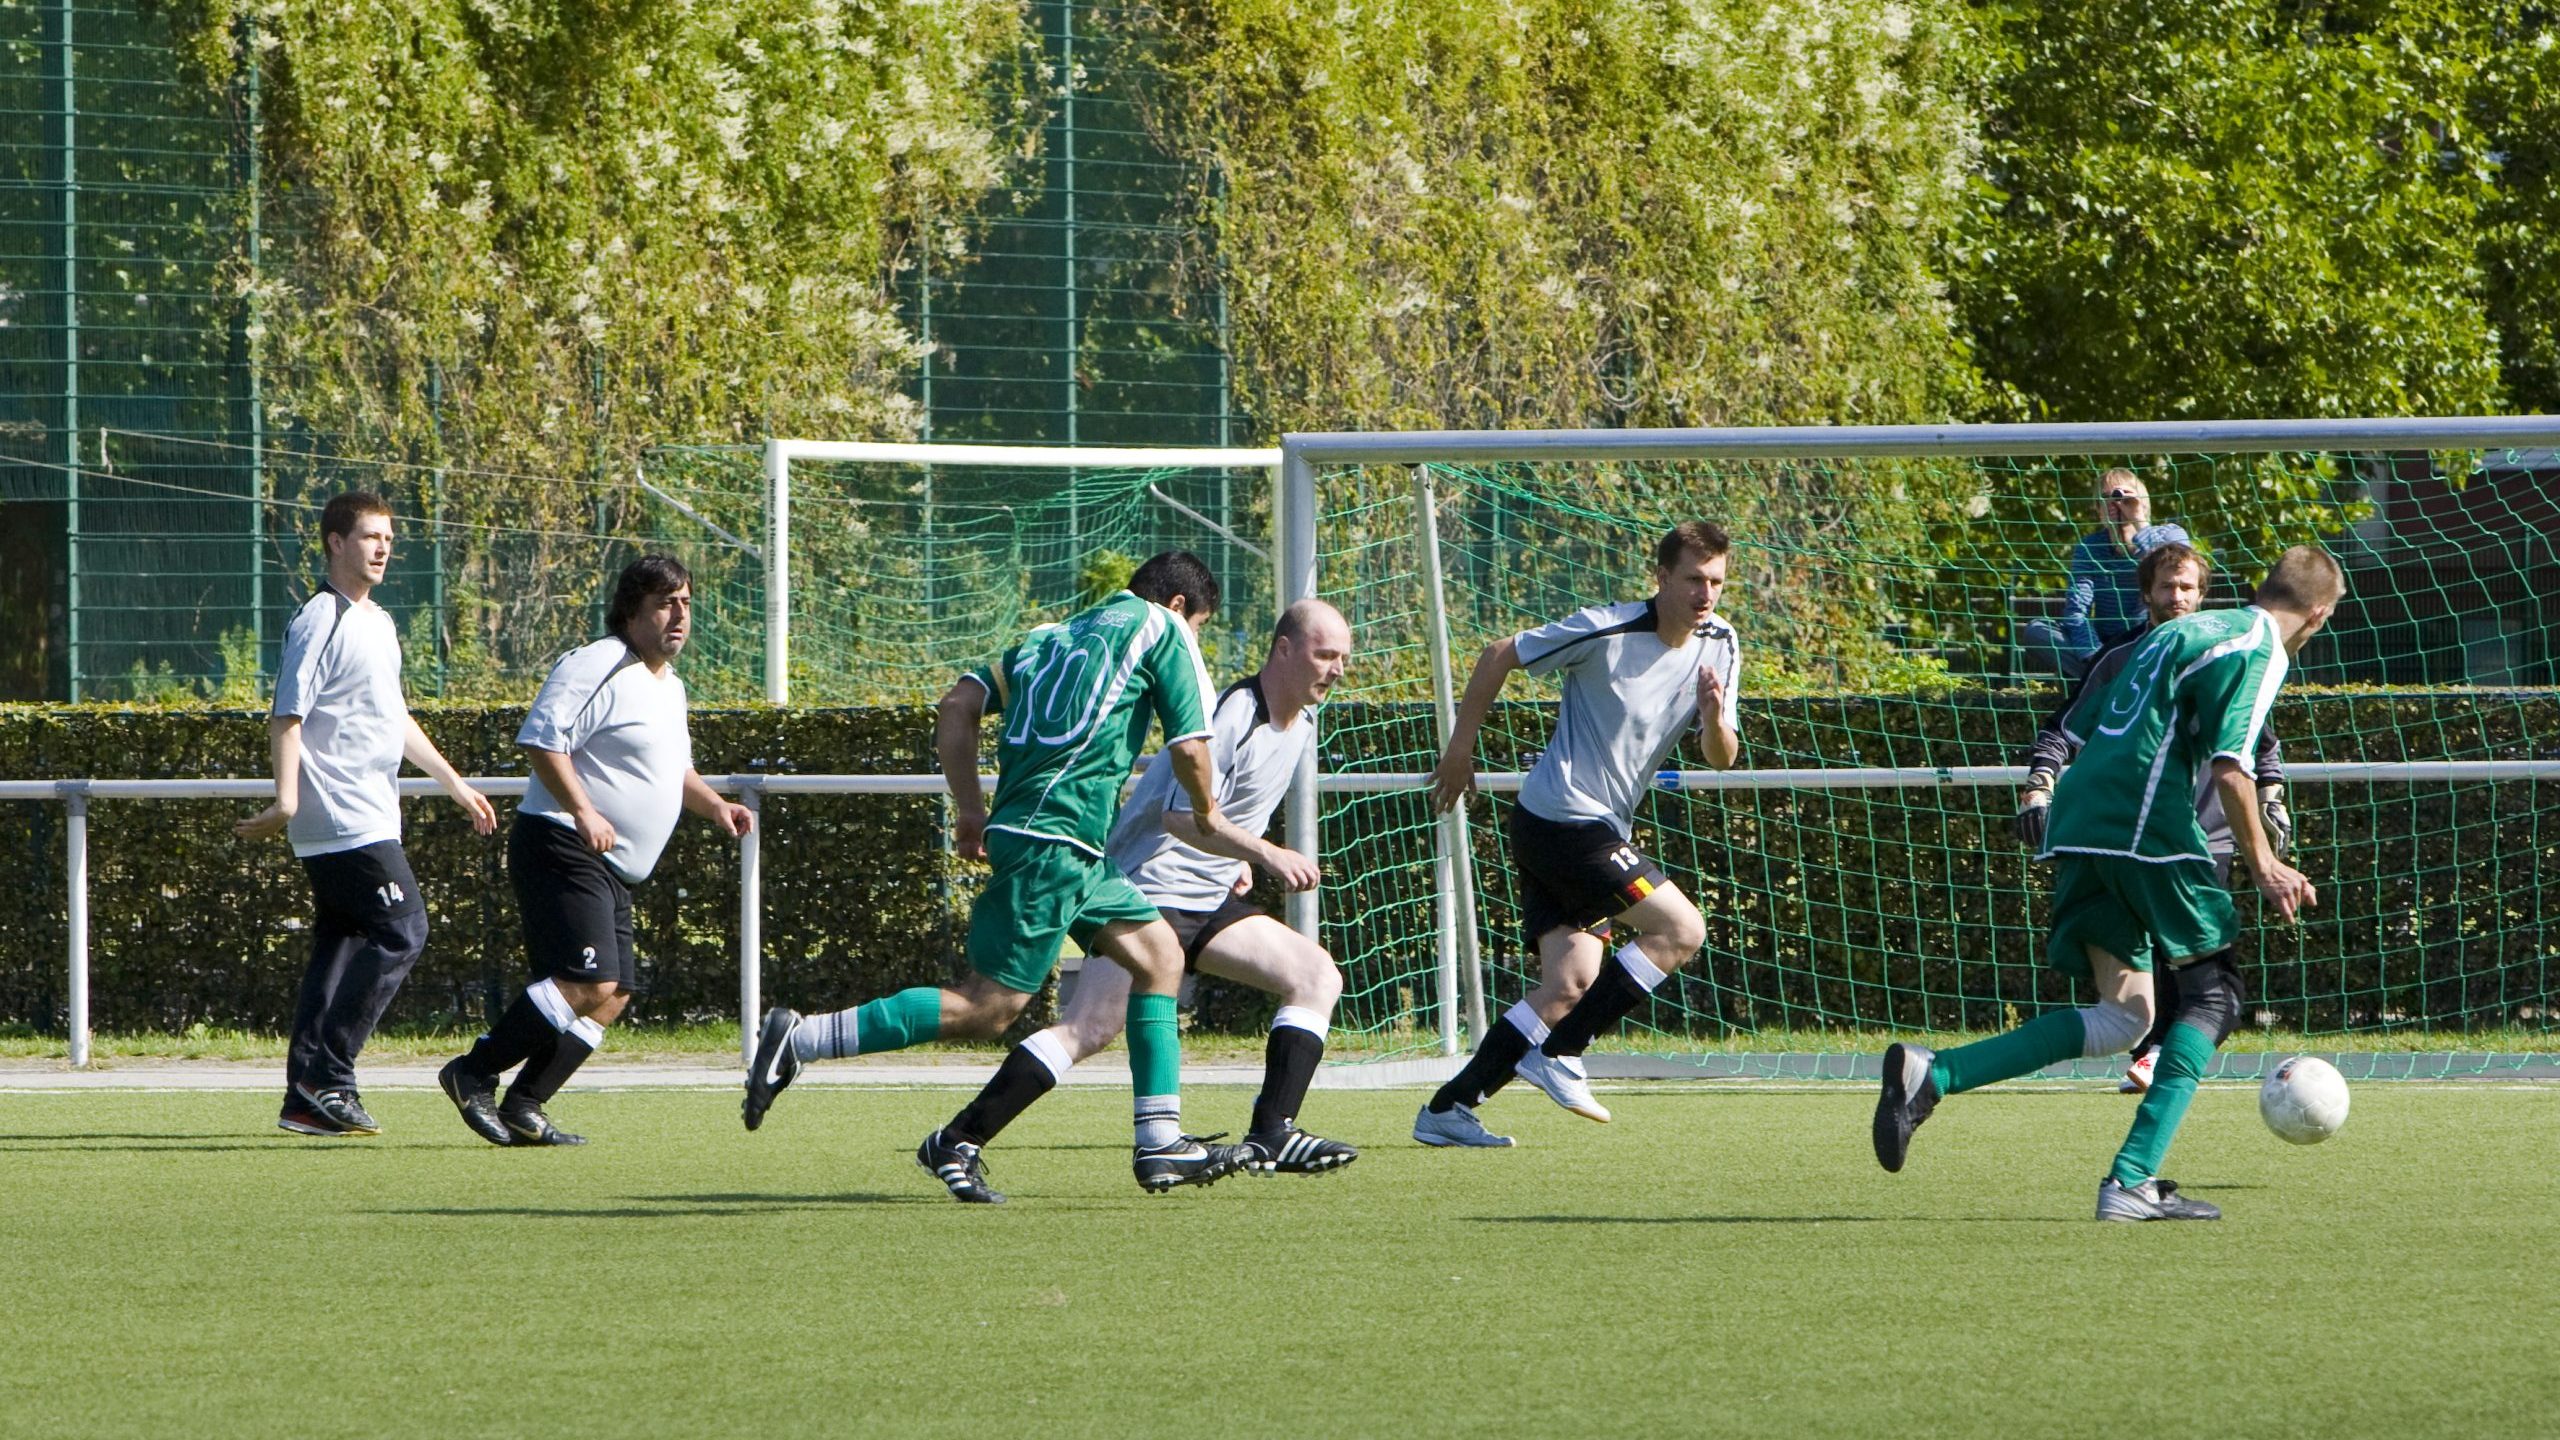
1076 700
2173 579
1637 676
338 732
2134 894
612 766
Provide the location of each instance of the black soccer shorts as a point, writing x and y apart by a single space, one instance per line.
1575 874
577 912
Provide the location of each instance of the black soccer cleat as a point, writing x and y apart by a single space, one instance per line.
476 1096
776 1064
1908 1097
527 1125
960 1167
303 1117
343 1107
1293 1151
1190 1160
2150 1200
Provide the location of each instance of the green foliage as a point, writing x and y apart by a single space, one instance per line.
1105 573
1575 212
2220 208
526 239
2517 105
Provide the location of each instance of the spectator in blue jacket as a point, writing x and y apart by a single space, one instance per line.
2104 600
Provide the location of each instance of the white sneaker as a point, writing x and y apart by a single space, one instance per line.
2137 1076
1457 1125
1565 1082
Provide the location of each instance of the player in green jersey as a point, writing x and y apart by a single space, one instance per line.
2135 896
1076 700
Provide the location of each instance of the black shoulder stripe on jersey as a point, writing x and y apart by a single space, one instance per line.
1251 685
1642 621
336 618
630 657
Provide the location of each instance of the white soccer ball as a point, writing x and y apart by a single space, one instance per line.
2304 1100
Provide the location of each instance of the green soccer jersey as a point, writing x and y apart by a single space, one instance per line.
2199 687
1076 699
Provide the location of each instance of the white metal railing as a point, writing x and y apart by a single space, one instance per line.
1460 977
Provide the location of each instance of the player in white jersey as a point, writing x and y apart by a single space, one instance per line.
338 732
612 768
1637 677
1259 730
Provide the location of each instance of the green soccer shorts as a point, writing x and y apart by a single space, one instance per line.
2146 913
1042 892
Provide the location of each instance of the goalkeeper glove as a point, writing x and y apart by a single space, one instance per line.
2034 806
2277 819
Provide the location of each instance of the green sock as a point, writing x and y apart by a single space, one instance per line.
1155 1046
2183 1053
2051 1036
894 1022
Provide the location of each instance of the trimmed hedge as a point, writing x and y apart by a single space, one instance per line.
1905 908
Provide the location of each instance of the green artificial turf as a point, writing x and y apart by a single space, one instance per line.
1718 1261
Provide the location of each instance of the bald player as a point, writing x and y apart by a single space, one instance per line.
1259 730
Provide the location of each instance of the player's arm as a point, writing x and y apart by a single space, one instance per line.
955 744
2284 887
2046 756
2272 810
1455 776
733 818
560 776
1293 870
1718 740
420 751
284 752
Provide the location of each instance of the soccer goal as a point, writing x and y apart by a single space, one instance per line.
1903 599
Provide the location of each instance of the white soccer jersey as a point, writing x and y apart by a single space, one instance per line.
623 730
341 676
1253 763
1628 699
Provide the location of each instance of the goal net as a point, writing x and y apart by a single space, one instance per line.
1902 600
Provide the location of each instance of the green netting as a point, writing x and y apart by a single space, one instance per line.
902 575
1888 612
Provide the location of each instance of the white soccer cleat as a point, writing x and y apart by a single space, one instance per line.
2137 1076
1456 1126
1565 1082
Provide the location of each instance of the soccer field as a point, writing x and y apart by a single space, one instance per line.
1716 1262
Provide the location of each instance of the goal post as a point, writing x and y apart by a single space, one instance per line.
1901 597
780 454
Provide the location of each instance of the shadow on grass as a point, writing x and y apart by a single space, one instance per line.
1772 1220
664 1207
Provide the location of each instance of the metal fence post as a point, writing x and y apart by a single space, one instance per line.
1293 519
777 572
750 920
1461 967
75 801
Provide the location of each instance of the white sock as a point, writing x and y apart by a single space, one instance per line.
589 1031
1299 1017
1524 1019
1044 1047
1644 972
832 1036
1159 1120
546 997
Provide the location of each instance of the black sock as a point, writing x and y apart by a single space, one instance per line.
1018 1085
549 1068
1488 1070
1600 1008
519 1033
1289 1062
